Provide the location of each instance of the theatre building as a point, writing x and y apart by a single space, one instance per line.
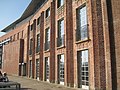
75 43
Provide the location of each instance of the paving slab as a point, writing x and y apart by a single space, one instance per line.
31 84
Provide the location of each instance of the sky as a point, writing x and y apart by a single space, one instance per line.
10 11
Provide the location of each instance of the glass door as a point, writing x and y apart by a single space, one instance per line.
37 69
61 69
83 69
47 66
30 69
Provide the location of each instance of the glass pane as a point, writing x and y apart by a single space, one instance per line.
62 27
61 68
84 66
62 2
83 16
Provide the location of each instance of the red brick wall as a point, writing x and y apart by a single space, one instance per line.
69 43
103 43
11 58
52 43
41 45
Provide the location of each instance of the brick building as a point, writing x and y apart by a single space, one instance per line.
70 42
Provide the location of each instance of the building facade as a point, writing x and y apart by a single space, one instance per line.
70 42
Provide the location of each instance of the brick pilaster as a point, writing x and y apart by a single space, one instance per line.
52 43
113 15
41 45
27 57
98 45
33 49
69 43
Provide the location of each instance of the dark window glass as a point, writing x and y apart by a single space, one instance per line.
38 43
31 27
60 39
82 29
31 44
47 13
38 21
47 38
60 3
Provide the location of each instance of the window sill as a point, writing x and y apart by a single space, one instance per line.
60 7
37 53
38 25
63 46
47 18
81 41
47 51
30 55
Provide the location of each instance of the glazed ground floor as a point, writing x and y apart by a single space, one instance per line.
59 73
27 84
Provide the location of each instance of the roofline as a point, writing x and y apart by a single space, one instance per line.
24 15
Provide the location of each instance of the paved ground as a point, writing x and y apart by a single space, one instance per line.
30 84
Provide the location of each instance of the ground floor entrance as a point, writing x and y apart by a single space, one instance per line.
30 69
37 68
61 69
83 69
47 68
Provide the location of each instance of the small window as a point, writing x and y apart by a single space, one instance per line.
47 39
10 38
38 21
31 46
18 36
47 13
60 3
38 43
31 27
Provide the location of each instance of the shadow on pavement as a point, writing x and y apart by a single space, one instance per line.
27 89
15 89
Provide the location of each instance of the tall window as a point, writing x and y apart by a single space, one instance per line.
30 69
18 36
38 21
61 68
60 40
47 39
47 68
47 13
31 27
82 32
37 68
60 3
38 43
31 44
83 69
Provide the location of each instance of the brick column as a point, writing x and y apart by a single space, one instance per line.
33 49
98 45
21 55
69 44
41 45
113 34
52 43
27 57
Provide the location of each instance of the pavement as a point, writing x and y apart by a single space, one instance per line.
31 84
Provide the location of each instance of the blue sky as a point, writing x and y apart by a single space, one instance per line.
10 11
